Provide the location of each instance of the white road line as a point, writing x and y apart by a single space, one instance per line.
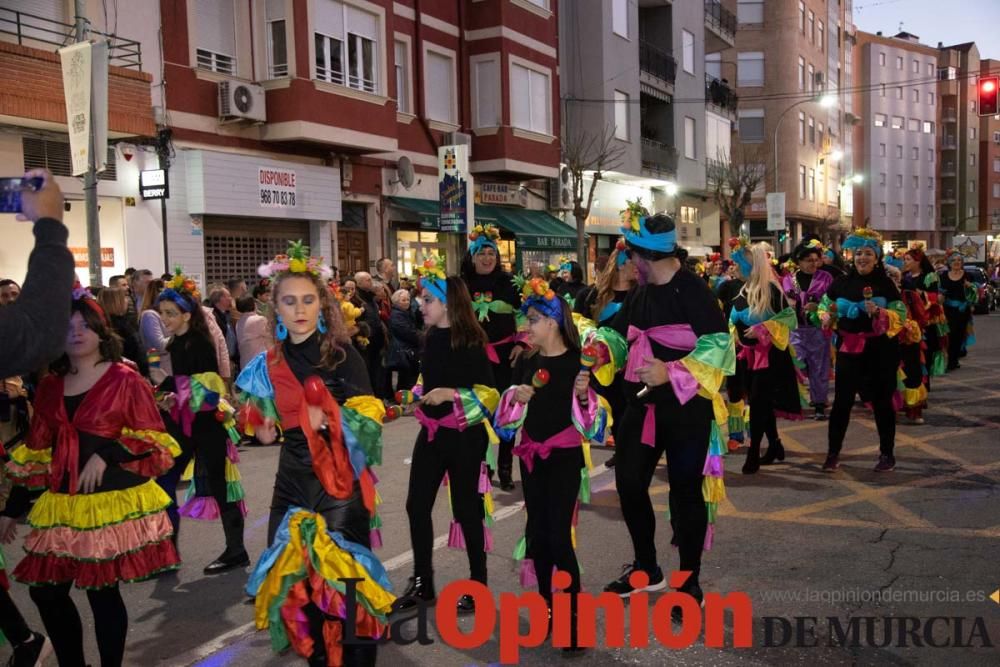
199 653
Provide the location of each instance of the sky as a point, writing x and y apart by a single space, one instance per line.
948 21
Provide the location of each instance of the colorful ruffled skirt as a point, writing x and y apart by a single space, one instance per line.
96 540
306 564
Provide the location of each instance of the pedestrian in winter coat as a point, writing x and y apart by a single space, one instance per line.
405 341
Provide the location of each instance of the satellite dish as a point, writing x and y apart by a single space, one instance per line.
404 172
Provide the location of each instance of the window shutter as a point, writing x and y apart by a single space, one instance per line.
329 18
274 10
362 23
216 26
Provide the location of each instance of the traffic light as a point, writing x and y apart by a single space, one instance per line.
989 86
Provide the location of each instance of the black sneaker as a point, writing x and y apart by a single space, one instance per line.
622 588
832 463
676 614
31 653
886 463
820 414
419 590
610 463
466 605
224 563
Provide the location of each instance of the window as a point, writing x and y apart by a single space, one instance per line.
972 105
899 180
819 34
619 17
881 209
972 133
811 26
928 127
689 138
689 215
996 137
915 95
802 182
802 73
880 119
947 74
930 183
531 101
899 62
713 65
687 46
996 165
897 122
930 69
802 17
881 90
486 91
930 155
916 207
812 78
881 150
751 125
899 92
340 26
216 35
972 211
899 151
812 131
916 182
439 88
277 45
912 125
802 128
996 190
930 99
899 210
750 11
972 186
750 68
812 185
915 153
881 179
916 67
401 54
621 115
881 59
972 159
930 211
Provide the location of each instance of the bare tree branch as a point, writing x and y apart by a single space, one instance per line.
733 177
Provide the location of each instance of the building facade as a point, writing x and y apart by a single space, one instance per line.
896 100
958 72
989 161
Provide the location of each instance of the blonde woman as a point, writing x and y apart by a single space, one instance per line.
763 321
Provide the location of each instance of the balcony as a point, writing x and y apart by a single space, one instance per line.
26 29
948 197
657 67
659 157
948 169
948 223
949 116
949 143
720 96
720 27
716 171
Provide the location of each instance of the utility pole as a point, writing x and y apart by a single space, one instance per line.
82 32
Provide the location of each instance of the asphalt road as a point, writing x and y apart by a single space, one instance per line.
917 543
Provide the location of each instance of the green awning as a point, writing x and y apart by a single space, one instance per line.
532 229
427 209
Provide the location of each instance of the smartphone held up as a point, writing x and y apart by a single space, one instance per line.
11 190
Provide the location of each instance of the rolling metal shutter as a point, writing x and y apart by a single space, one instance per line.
235 247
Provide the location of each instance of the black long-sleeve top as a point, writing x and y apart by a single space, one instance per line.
550 409
459 368
851 286
501 286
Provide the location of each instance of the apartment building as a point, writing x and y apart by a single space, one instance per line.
959 141
33 132
792 63
638 70
896 145
989 160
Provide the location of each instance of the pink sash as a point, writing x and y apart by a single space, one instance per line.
674 336
757 355
528 448
854 343
432 425
491 348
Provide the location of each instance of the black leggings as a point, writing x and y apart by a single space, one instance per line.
958 326
550 492
762 420
873 375
460 455
683 435
62 623
12 624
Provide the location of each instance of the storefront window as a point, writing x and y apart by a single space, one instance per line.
533 261
413 246
508 254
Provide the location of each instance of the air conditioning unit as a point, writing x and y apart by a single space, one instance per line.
457 139
241 101
561 190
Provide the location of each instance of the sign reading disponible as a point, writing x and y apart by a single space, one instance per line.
276 187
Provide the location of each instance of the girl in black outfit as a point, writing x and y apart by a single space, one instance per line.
196 427
736 384
495 301
457 399
959 297
666 417
865 306
572 284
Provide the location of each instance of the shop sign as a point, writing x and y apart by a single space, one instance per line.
504 194
453 188
551 242
276 187
81 260
758 207
153 184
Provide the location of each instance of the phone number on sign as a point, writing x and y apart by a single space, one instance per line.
276 198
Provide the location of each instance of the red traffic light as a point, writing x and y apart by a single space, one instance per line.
989 87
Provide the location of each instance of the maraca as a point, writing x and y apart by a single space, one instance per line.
153 357
315 390
253 416
220 415
392 413
405 397
867 293
540 378
588 357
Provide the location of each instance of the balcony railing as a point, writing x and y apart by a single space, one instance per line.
949 116
948 169
720 19
948 222
30 30
720 94
659 156
948 196
656 62
949 143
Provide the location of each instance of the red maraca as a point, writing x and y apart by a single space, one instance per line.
393 412
220 415
315 390
540 378
588 357
253 416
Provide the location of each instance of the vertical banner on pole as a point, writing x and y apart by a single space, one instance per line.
454 188
775 211
76 69
99 102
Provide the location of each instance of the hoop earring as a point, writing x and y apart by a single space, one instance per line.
280 330
321 323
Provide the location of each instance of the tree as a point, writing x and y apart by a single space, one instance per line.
733 178
591 153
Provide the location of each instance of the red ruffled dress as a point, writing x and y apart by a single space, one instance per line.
121 531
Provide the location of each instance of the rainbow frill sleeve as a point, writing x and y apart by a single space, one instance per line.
778 328
29 467
611 344
891 319
476 406
255 394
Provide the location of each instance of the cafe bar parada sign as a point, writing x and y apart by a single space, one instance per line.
454 188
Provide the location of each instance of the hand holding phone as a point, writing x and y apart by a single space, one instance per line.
34 196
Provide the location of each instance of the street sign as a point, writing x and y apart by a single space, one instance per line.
775 211
153 184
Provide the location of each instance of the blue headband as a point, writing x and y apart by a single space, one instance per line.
437 287
551 308
566 267
953 254
660 242
855 242
892 260
830 253
170 294
482 241
740 257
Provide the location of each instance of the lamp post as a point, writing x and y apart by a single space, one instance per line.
825 101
